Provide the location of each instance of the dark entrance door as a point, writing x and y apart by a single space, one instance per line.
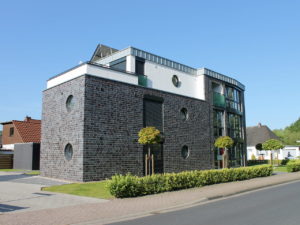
153 116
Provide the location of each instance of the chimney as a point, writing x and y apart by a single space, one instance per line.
27 118
259 124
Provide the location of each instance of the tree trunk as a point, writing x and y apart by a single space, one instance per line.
149 160
271 158
225 158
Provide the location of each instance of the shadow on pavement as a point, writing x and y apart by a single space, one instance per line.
10 208
11 177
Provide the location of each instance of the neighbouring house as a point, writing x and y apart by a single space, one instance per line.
1 140
21 144
93 112
257 135
16 132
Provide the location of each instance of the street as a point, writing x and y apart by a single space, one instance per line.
272 206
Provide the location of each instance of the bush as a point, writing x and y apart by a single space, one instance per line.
293 166
122 186
284 162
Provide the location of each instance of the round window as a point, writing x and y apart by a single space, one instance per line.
175 80
184 114
68 152
185 152
70 103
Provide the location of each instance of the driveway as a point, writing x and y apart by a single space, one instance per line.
19 193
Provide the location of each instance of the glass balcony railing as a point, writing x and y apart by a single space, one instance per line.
219 100
233 107
143 80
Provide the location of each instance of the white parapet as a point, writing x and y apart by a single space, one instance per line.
93 70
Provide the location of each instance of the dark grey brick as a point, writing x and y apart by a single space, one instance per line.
103 130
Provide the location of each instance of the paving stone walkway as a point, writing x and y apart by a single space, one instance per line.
122 209
22 193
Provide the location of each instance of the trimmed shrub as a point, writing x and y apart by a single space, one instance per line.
123 186
284 162
293 166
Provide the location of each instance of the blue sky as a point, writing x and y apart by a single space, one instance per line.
256 42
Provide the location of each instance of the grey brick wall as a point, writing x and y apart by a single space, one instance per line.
103 128
113 117
60 127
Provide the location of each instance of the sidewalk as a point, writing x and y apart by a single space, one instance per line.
120 209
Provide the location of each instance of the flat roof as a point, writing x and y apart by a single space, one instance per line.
104 54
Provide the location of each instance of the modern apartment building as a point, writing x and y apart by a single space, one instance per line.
93 112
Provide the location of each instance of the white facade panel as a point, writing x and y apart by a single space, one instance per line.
130 63
69 75
95 71
160 77
112 74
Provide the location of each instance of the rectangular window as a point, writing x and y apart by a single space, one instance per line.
119 64
218 122
11 131
153 115
234 126
233 99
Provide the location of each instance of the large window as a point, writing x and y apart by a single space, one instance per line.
218 122
233 99
234 126
236 155
119 64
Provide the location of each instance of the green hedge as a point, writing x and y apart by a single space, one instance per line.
122 186
293 166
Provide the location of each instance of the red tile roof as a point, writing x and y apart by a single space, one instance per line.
29 130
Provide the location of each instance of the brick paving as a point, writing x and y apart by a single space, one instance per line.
118 209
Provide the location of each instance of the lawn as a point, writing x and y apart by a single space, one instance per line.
89 189
10 170
280 169
27 172
33 172
277 168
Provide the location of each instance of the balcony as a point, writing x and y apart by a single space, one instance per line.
233 107
142 80
219 100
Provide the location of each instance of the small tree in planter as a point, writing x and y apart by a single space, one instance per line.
149 136
224 142
270 145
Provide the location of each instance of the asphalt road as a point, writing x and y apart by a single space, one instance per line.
273 206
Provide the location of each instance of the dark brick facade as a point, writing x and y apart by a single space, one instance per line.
60 127
103 129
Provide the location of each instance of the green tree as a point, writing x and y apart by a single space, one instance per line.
270 145
291 134
149 136
224 142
